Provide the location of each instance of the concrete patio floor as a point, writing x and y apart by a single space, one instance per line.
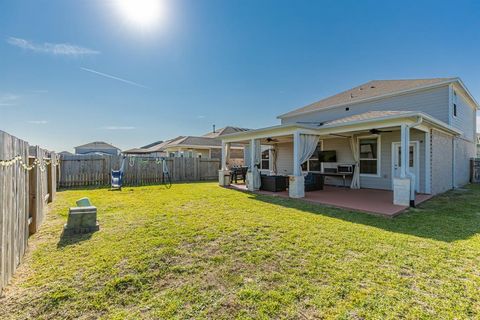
379 202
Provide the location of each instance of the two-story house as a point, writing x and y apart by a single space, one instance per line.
365 130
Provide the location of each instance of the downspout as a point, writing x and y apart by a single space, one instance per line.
454 176
410 175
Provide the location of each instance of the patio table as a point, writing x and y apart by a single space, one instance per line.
344 176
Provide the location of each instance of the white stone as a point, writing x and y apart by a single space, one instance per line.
401 191
223 178
296 186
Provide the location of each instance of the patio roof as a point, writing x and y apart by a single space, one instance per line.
351 124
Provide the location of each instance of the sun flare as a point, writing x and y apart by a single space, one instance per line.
141 13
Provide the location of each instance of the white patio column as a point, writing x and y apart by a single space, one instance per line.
253 150
296 187
402 185
253 175
296 154
224 173
225 146
405 147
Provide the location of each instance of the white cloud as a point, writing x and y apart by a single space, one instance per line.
201 117
118 128
106 75
64 49
38 121
8 99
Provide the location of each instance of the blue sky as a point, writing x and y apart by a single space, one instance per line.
76 71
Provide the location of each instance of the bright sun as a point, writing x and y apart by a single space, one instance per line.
141 13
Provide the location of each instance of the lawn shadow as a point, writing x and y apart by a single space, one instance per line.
71 239
452 216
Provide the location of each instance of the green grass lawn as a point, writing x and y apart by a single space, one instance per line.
201 251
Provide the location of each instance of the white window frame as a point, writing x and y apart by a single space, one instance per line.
321 164
379 155
416 160
269 160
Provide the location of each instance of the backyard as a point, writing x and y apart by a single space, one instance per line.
201 251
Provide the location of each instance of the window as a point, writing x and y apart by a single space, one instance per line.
454 104
410 157
313 164
369 157
265 163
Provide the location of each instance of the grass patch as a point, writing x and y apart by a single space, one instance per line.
200 251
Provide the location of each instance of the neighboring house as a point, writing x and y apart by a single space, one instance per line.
65 153
97 147
367 127
150 150
207 146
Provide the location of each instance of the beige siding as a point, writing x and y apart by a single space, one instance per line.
466 117
464 151
285 158
434 102
441 162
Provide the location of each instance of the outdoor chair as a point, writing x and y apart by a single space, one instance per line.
314 181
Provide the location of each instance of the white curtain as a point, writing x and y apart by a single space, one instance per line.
274 158
308 144
356 157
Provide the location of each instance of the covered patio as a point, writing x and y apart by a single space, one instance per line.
375 201
365 158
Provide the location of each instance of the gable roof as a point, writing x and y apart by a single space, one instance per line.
151 144
97 145
195 141
223 131
370 90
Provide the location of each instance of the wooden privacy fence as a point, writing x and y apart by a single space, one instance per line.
27 183
91 170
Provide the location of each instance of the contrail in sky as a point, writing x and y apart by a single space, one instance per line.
113 77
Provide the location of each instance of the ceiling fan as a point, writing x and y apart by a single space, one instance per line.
376 131
271 139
